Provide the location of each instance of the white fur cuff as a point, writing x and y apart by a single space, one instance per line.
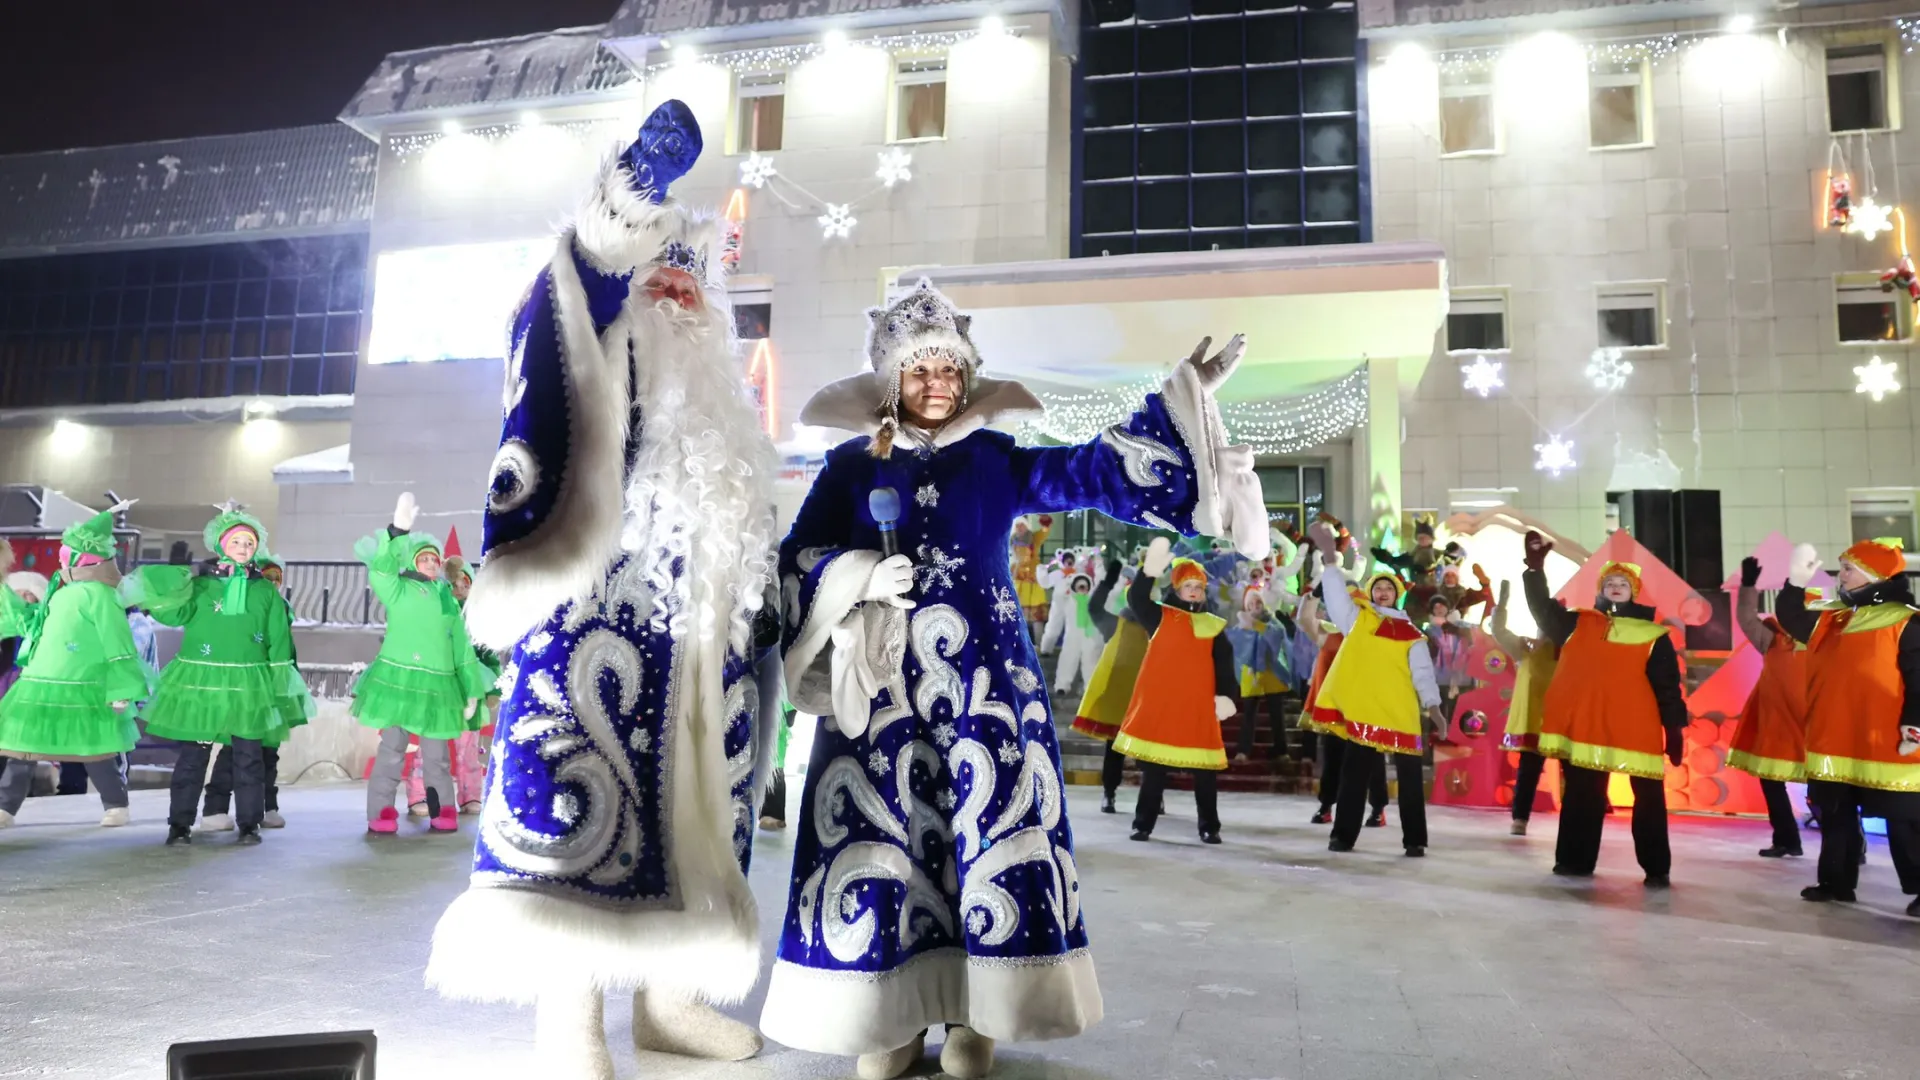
809 684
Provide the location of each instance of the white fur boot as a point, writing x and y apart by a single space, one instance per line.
569 1037
967 1054
891 1063
669 1025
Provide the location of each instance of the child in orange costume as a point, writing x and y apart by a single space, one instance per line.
1184 692
1863 711
1770 742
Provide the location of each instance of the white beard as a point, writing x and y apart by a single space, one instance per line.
703 471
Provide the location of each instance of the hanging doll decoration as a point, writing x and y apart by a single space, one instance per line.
1902 279
1839 201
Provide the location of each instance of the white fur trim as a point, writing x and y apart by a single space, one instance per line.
1197 419
619 230
853 404
809 686
21 581
852 1013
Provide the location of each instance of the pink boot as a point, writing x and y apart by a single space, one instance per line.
448 820
387 822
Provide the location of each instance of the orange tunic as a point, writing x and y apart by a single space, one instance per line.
1600 712
1771 740
1171 720
1854 699
1315 717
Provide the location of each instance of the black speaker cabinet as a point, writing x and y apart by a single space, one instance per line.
1681 529
339 1055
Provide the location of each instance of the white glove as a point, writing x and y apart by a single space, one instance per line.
404 511
1325 541
1909 739
1159 557
473 703
891 580
1223 707
1215 371
1802 565
121 706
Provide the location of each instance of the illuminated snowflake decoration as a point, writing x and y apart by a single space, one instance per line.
837 221
893 166
1608 369
756 171
1870 219
1482 376
1877 379
1554 456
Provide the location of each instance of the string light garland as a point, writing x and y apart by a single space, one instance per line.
837 221
774 58
1276 426
405 148
1909 33
893 168
1877 379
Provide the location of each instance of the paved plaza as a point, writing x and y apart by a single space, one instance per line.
1267 958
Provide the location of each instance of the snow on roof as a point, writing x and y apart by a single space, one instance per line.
334 465
285 182
534 67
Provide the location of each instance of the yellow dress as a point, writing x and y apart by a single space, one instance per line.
1026 569
1111 688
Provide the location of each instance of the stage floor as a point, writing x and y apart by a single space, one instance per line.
1262 959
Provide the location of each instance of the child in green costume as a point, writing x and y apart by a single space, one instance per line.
469 751
80 673
425 682
295 711
233 680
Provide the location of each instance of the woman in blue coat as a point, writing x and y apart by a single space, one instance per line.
934 879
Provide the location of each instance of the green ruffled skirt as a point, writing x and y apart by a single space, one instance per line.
294 702
201 702
430 704
47 720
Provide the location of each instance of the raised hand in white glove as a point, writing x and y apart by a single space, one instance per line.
1214 371
1325 541
121 706
1159 557
405 511
1223 708
1802 565
890 582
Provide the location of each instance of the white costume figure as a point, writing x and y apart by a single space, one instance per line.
628 532
1072 630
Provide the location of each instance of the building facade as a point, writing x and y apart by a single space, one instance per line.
1644 253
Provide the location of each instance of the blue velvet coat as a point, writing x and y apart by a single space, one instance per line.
934 878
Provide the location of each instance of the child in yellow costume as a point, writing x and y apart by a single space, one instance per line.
1184 692
1382 684
1024 548
1110 691
1534 660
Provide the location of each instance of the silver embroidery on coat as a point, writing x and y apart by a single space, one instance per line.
1138 455
939 633
845 777
981 778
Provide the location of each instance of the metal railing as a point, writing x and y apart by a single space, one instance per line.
334 593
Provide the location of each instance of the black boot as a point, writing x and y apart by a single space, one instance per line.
249 835
1378 820
1323 817
1913 909
1778 852
1106 805
1209 837
1821 894
179 834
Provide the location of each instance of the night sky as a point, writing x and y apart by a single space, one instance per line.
98 72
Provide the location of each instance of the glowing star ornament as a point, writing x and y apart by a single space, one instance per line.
893 166
756 171
837 221
1870 219
1877 379
1482 376
1554 456
1608 369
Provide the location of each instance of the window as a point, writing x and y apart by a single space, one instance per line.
1617 105
759 113
1295 494
1214 125
1865 314
919 106
1884 512
1860 96
1633 315
1467 121
1477 320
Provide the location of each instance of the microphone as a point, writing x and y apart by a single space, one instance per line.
884 504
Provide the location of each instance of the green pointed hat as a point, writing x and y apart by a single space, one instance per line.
231 517
94 536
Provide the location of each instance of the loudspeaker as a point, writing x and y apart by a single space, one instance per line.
1681 529
1696 526
1716 634
340 1055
